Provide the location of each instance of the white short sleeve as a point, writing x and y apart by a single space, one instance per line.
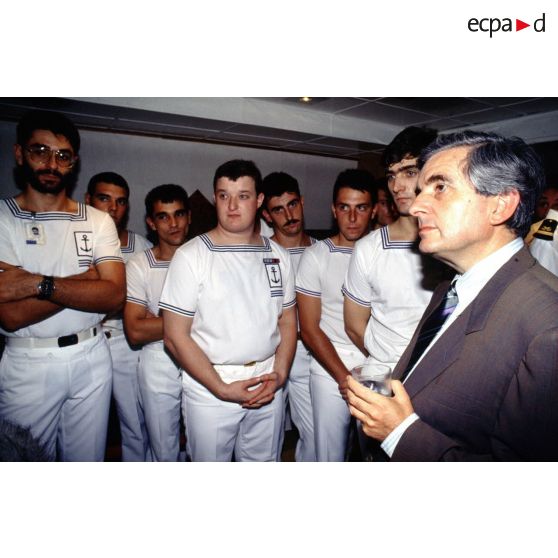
135 287
107 246
183 282
357 286
308 277
289 295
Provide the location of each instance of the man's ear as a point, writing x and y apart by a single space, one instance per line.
18 154
260 199
267 217
87 198
334 213
504 207
150 223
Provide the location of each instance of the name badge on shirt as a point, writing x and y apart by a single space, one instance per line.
34 233
273 272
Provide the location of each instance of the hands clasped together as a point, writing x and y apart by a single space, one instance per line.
254 392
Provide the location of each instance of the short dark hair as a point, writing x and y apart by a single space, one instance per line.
110 178
496 165
54 122
408 144
277 184
237 168
357 179
166 193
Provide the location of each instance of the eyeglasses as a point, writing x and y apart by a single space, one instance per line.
43 154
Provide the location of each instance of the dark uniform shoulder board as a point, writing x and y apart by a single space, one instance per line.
546 230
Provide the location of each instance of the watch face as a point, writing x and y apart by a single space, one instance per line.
45 288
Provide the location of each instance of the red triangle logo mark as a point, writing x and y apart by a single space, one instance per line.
519 25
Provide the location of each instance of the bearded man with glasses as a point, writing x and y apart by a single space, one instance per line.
61 271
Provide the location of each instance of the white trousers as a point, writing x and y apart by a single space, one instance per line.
300 403
125 390
62 394
331 413
216 429
160 384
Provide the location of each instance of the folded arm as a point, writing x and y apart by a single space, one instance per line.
141 325
100 289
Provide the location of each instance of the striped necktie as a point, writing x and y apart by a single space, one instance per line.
432 326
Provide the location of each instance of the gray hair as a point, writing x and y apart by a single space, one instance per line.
497 165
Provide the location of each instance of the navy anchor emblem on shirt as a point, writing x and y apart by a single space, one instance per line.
276 279
273 272
84 242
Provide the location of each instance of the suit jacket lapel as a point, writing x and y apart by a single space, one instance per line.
448 347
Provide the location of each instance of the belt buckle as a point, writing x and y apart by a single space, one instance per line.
68 340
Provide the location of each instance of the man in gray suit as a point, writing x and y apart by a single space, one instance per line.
479 380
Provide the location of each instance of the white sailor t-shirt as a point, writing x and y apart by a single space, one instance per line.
235 295
296 253
137 244
59 244
396 282
145 277
320 274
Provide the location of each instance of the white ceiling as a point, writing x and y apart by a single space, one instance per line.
338 126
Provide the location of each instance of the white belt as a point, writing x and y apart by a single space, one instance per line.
112 332
48 342
232 372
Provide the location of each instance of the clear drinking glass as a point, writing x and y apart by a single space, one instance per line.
374 375
377 377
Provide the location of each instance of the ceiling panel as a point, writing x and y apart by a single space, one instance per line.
276 133
336 104
336 142
443 106
387 114
233 137
490 115
441 124
502 101
323 149
324 104
536 105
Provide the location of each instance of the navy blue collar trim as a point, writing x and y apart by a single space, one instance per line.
333 248
235 247
16 211
153 262
388 244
